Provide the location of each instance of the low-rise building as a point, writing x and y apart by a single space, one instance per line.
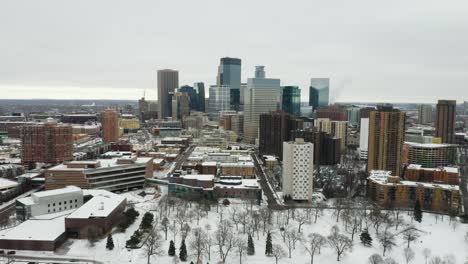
99 214
244 169
49 202
113 174
391 191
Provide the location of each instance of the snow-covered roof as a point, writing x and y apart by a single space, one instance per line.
237 164
381 177
200 177
66 190
7 184
447 169
36 230
209 163
102 204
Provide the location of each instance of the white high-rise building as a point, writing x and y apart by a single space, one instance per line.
262 95
298 169
219 100
364 139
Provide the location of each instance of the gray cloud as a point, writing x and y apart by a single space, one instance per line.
372 50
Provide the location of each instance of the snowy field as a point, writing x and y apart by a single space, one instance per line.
444 237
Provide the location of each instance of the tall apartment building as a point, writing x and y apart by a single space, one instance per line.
445 120
291 100
322 85
262 96
219 100
275 128
298 169
229 73
110 125
47 142
424 114
168 81
386 137
200 88
327 149
338 129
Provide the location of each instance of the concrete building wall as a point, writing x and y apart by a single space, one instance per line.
298 169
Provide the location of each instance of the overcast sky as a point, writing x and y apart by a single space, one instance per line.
401 51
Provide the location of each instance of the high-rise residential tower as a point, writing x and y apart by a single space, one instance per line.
47 142
445 120
298 169
338 129
386 137
291 100
168 81
261 96
229 73
424 114
276 128
180 105
110 125
200 88
322 85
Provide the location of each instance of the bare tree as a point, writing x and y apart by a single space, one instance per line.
410 235
224 239
339 205
426 253
152 245
185 230
278 252
318 210
340 243
292 236
174 228
387 240
301 219
240 247
313 244
375 259
436 260
209 241
408 254
244 219
198 242
165 226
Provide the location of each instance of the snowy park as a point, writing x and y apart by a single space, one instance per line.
237 231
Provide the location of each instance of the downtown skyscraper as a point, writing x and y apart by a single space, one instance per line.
229 74
261 96
168 81
322 87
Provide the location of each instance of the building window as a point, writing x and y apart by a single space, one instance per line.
65 202
76 200
60 203
48 205
54 204
71 201
48 210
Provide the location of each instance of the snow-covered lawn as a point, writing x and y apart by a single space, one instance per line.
437 234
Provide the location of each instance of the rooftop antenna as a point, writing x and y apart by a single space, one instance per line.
144 93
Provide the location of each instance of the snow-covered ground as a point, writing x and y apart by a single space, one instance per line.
437 234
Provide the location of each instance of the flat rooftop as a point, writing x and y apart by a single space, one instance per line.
36 230
7 184
381 178
105 163
101 205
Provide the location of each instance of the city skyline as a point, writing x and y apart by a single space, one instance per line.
370 52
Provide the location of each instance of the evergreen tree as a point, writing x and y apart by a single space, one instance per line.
250 246
268 245
110 242
366 239
171 251
183 251
417 212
